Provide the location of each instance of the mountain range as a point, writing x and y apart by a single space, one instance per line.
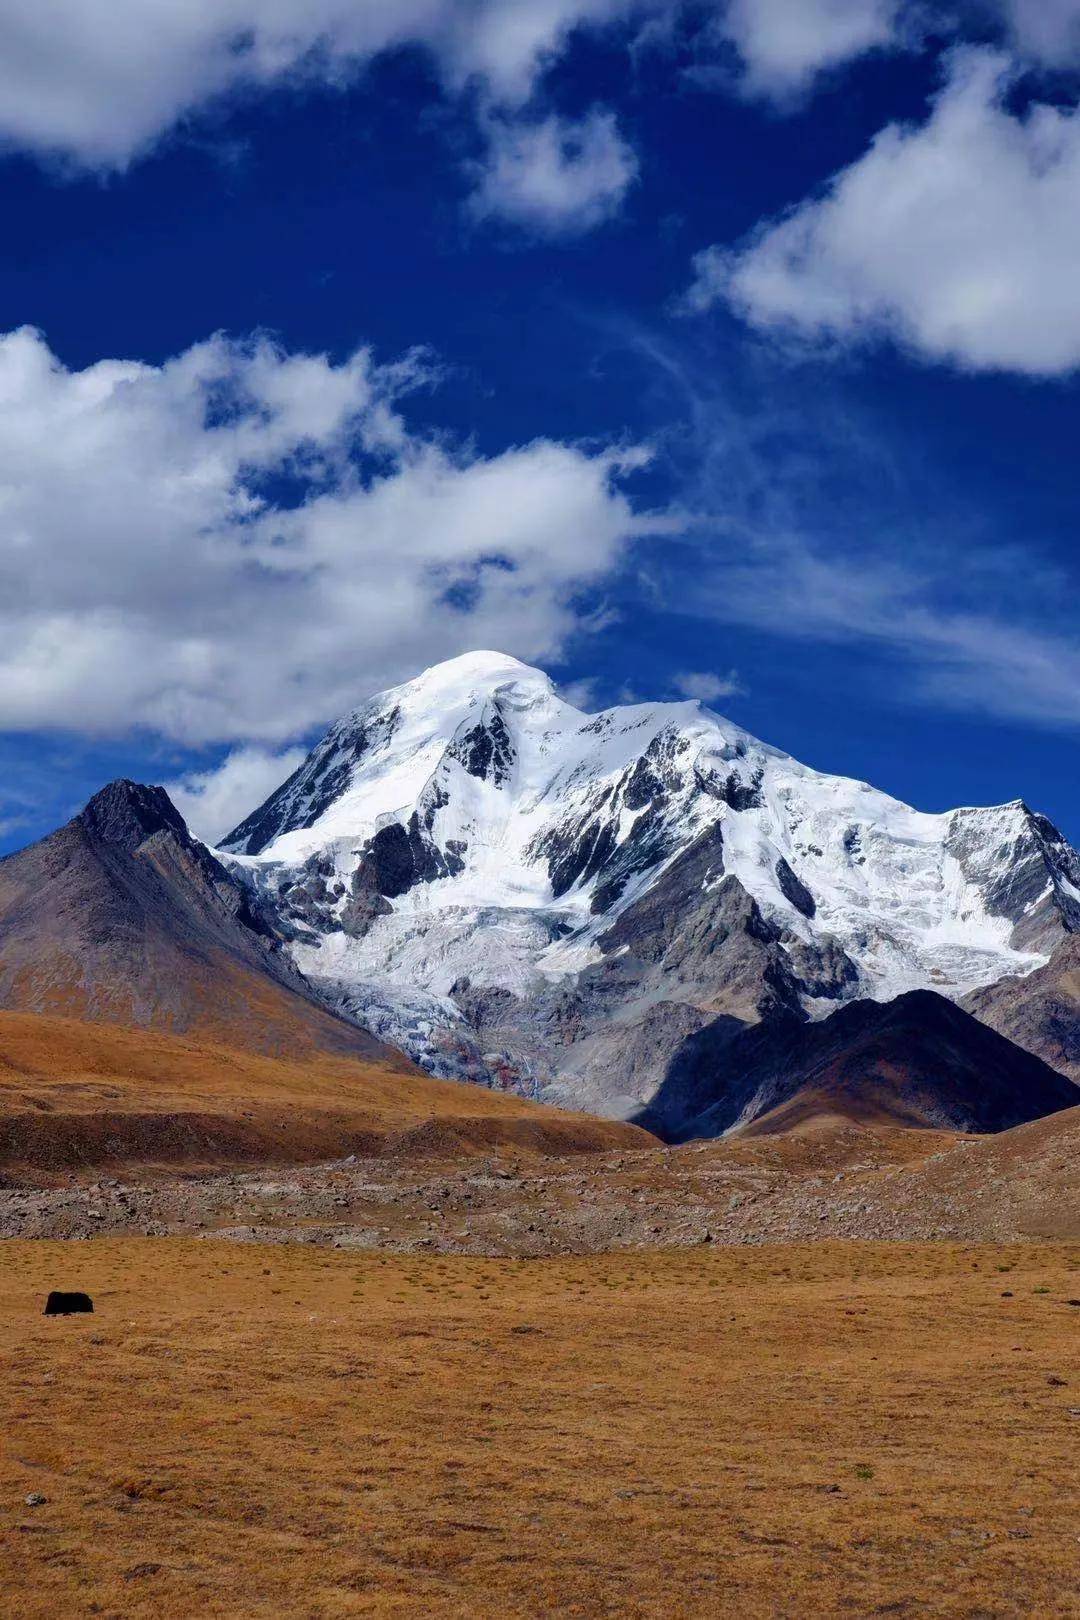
643 913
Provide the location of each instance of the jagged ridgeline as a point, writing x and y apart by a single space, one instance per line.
520 893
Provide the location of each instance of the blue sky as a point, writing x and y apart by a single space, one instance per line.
726 350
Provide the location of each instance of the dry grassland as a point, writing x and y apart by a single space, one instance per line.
77 1096
801 1431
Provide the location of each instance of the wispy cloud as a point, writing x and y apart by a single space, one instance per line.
806 527
707 686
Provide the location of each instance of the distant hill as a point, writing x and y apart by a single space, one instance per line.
919 1060
79 1096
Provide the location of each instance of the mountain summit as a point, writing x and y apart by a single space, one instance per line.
472 866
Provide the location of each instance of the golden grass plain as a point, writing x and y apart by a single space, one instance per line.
827 1429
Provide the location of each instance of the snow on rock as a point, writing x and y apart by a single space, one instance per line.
472 826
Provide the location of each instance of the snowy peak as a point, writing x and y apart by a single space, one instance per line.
471 825
392 746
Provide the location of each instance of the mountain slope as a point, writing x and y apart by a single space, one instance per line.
917 1061
121 916
1022 1184
562 899
1041 1011
77 1095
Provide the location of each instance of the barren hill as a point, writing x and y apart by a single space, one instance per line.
122 917
78 1095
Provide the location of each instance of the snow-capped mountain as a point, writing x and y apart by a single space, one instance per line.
557 898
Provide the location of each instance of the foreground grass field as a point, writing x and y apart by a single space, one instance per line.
800 1431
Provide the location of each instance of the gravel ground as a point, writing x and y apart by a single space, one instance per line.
848 1183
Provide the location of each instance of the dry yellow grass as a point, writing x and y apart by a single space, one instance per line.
81 1095
826 1430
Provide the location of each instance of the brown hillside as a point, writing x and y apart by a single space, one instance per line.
1023 1183
76 1095
122 917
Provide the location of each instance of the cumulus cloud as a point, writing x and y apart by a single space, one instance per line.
236 545
785 44
707 686
958 238
98 81
555 176
213 802
95 83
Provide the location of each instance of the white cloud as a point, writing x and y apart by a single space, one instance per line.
99 81
213 802
555 176
1047 30
785 44
580 694
958 238
707 686
147 578
96 83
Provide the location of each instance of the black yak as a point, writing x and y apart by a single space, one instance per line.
61 1304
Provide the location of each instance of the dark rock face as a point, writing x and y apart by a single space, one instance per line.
315 785
390 860
794 889
648 842
399 857
736 790
125 814
919 1061
576 851
588 846
822 967
364 904
1036 874
485 750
